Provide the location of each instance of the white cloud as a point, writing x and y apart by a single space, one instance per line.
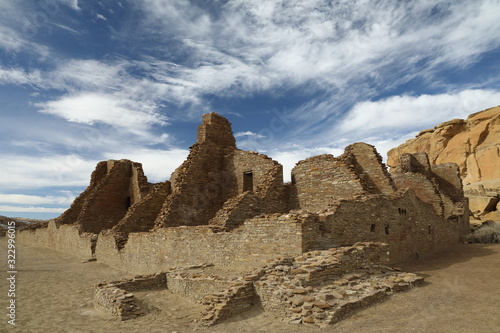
248 133
101 17
28 172
158 165
410 113
262 45
115 110
22 199
73 4
31 209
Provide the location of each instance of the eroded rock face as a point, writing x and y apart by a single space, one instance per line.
473 144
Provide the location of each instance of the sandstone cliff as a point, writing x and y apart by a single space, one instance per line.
473 144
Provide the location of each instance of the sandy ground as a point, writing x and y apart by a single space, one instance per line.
54 294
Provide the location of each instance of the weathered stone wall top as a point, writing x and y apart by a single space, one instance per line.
114 187
216 129
321 179
367 163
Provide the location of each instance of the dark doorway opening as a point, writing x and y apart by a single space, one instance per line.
247 181
128 202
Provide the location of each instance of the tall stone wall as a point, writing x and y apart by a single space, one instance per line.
141 216
114 187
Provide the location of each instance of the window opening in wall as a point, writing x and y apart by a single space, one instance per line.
128 202
429 229
372 228
247 181
386 229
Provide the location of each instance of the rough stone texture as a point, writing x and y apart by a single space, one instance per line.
64 238
472 144
320 180
256 241
319 287
114 187
215 172
410 226
114 298
230 207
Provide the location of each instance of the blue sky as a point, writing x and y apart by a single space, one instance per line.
85 81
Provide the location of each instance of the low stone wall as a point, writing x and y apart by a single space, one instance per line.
114 298
64 238
195 286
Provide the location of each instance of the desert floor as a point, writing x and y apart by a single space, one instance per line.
54 294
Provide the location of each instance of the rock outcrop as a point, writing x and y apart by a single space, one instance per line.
474 145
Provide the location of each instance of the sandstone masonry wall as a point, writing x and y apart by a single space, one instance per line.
64 238
257 240
410 226
319 180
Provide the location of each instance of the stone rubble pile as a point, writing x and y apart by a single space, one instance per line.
319 287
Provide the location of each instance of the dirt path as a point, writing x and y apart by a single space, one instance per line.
54 294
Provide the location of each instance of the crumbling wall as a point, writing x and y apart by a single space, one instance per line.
439 185
114 187
259 181
197 188
319 180
368 165
141 216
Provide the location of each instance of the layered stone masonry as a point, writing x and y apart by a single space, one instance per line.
319 287
114 298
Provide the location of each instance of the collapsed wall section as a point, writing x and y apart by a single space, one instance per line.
198 190
439 185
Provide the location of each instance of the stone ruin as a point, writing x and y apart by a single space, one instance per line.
230 208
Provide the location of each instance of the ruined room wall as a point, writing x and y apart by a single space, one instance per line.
197 186
63 238
142 215
248 161
447 175
265 196
71 214
426 189
407 224
139 185
320 179
250 245
368 165
109 201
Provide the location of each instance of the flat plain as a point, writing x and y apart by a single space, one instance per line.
54 293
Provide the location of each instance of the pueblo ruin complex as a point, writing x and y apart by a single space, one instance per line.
230 208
